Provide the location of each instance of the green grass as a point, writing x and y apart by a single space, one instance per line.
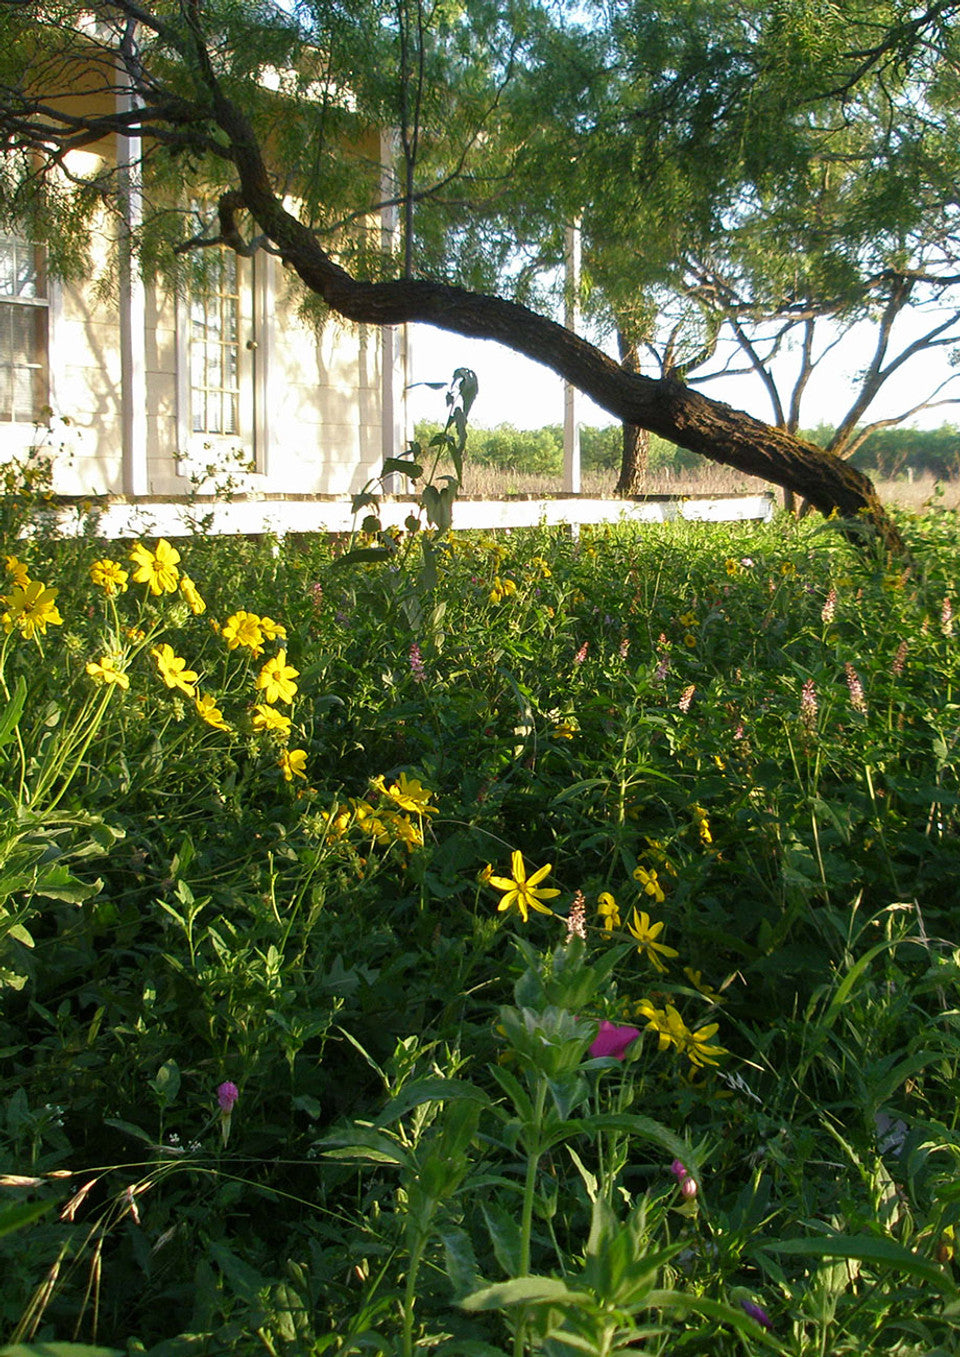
424 1155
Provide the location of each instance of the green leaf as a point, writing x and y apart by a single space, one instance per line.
56 882
411 469
868 1249
13 711
58 1350
24 1213
504 1231
422 1091
361 554
365 1142
525 1291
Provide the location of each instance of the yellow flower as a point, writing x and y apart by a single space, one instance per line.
787 568
690 640
649 883
189 590
485 873
688 620
703 825
156 569
697 1048
109 576
292 763
272 630
609 911
502 589
405 831
521 890
268 718
31 607
406 793
106 671
174 671
243 629
646 935
564 730
732 566
275 679
208 711
18 570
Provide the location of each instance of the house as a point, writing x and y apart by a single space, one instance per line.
148 389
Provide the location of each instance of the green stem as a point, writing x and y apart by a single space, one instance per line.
529 1191
409 1294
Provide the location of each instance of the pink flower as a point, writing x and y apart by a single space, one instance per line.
227 1095
679 1170
417 667
688 1188
857 699
581 654
613 1040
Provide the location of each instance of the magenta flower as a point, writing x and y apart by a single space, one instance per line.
679 1170
227 1095
613 1040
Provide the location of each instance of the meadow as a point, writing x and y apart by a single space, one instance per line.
553 951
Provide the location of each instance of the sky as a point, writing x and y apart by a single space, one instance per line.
514 390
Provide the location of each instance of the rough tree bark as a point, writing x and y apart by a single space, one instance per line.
636 441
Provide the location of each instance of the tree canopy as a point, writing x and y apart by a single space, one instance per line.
804 154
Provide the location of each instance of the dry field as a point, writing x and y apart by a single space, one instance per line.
490 482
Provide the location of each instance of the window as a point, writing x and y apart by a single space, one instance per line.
215 347
23 331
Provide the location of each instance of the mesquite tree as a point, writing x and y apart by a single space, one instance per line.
272 114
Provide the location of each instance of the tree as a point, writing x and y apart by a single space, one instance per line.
191 83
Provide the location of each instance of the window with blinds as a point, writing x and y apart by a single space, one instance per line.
23 331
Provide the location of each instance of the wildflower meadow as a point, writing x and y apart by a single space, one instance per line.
482 945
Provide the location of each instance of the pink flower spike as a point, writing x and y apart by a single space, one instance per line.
227 1095
612 1040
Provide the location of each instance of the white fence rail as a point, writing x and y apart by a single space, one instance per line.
280 515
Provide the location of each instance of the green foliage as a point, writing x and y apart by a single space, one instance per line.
731 750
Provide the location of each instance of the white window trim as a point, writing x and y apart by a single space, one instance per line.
18 437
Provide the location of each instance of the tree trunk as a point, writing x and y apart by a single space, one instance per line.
664 405
636 441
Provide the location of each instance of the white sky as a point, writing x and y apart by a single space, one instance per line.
513 390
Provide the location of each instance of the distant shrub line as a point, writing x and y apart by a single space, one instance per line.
889 453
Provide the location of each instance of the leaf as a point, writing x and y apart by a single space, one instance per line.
647 1129
422 1091
13 711
56 882
868 1249
58 1350
411 469
365 1142
15 1217
525 1291
361 554
504 1232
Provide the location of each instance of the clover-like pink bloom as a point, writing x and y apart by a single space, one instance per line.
227 1095
613 1040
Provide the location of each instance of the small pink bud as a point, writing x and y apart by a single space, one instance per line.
227 1095
688 1188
